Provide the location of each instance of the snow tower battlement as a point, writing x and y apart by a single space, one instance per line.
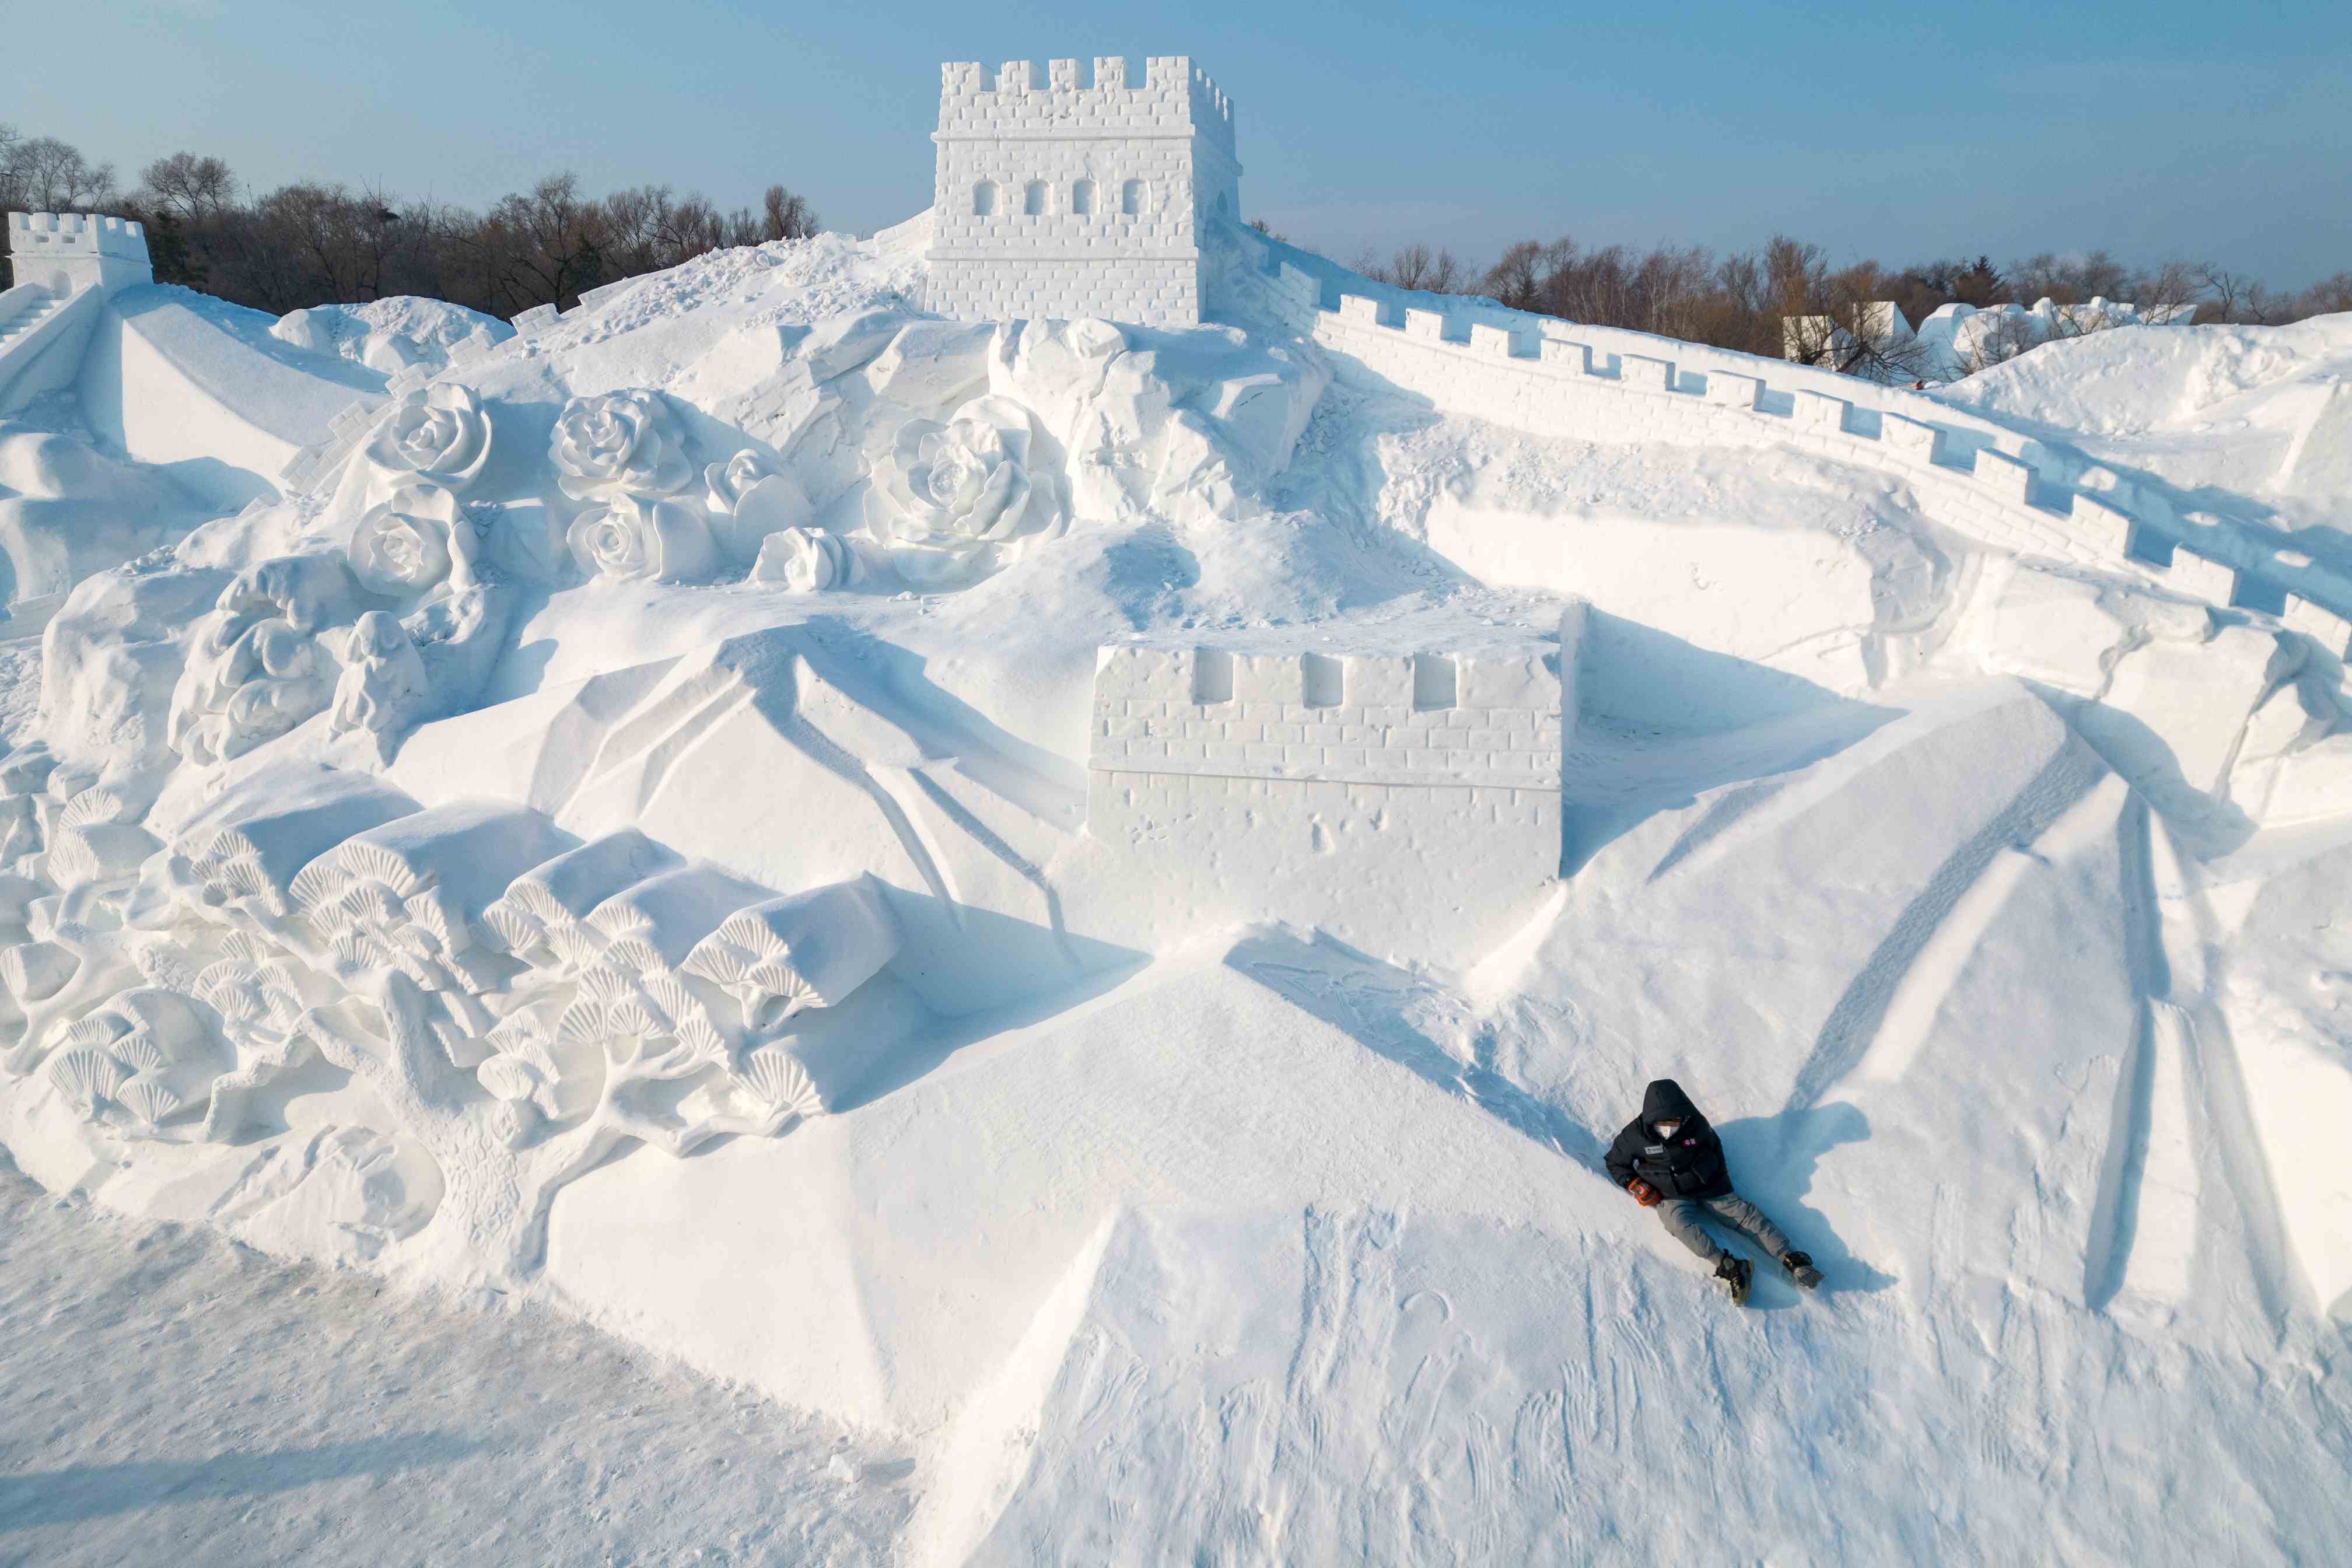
1057 200
66 252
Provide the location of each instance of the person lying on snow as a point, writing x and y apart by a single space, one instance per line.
1670 1159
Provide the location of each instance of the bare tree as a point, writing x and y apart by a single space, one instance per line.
1517 281
784 215
1418 267
50 175
11 180
2327 298
190 188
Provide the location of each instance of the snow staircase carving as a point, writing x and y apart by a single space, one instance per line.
65 265
1536 373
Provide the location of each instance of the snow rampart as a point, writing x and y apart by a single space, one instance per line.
64 265
1404 803
1415 721
972 102
43 334
1544 376
70 252
1055 200
168 379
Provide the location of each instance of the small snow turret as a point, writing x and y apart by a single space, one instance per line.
1055 200
67 252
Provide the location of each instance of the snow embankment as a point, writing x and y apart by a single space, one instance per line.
201 389
2263 411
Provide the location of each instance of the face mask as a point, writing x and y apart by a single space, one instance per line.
1668 1128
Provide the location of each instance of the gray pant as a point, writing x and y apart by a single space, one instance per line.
1681 1217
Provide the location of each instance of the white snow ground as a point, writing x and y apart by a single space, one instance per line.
175 1398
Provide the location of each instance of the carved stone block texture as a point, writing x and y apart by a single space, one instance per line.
1415 723
1055 200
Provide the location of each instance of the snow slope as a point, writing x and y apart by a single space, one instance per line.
2252 422
961 876
169 1391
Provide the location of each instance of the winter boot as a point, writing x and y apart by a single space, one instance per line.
1733 1274
1800 1268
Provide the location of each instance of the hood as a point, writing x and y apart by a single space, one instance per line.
1665 1101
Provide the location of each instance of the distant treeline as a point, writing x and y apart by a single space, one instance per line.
1740 300
309 243
313 243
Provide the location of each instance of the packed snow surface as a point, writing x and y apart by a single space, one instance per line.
1067 911
173 1394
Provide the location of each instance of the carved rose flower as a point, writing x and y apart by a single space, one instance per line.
749 501
413 541
957 497
729 481
621 443
642 540
806 561
437 433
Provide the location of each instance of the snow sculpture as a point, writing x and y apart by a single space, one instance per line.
624 452
542 917
749 502
806 561
140 1060
234 863
1242 781
414 541
67 252
520 1004
810 950
66 266
621 443
383 692
437 433
960 498
635 539
1065 201
256 669
403 897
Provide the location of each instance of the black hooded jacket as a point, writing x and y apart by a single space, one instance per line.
1690 1167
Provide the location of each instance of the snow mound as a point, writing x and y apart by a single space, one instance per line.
2128 382
389 335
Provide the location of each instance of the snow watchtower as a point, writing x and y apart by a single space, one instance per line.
1057 200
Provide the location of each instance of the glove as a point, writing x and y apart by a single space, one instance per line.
1644 1194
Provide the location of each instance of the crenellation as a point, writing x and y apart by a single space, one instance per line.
1064 199
68 252
1643 374
2210 580
2010 479
1820 411
1291 720
1457 360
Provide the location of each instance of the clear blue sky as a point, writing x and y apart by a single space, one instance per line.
2219 133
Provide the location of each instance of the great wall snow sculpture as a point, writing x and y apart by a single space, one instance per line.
1057 200
1411 801
1551 377
65 266
952 763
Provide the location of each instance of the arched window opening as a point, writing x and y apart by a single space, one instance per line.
984 199
1131 198
1082 198
1035 203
